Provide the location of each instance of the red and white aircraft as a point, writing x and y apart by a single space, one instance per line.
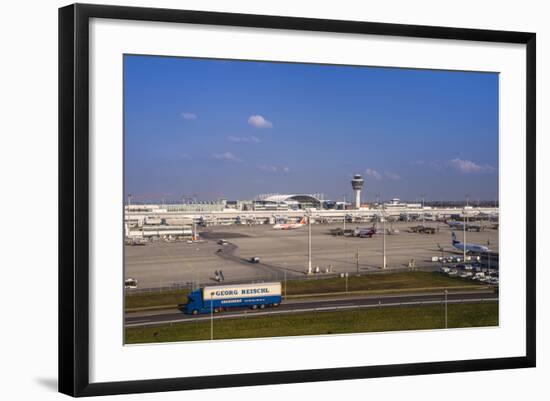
290 226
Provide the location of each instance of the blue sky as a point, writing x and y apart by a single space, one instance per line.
214 128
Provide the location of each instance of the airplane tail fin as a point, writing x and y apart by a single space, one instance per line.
303 221
453 236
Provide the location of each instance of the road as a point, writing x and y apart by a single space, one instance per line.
144 319
227 252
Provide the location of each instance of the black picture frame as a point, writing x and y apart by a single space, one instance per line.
74 198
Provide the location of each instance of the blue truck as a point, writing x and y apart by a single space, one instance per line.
218 298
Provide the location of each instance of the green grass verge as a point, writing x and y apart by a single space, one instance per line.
371 282
358 321
158 298
376 282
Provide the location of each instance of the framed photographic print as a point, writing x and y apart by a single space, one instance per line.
236 190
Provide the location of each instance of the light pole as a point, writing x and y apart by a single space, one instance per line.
423 218
442 254
344 212
384 240
212 316
464 223
309 243
488 255
357 260
346 252
446 321
284 293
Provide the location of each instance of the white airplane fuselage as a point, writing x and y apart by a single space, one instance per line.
475 248
290 226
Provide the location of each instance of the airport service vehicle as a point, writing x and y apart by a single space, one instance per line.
365 232
475 248
422 230
290 226
222 242
254 259
453 272
135 241
446 259
346 233
214 299
130 283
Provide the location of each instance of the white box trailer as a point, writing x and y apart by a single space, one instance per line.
241 290
217 298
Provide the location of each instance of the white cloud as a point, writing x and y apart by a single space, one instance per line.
468 166
259 121
460 165
274 169
271 169
392 176
189 116
244 139
226 156
373 174
376 175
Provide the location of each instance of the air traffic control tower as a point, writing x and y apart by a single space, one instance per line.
357 185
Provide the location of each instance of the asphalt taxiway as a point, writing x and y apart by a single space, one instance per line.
285 253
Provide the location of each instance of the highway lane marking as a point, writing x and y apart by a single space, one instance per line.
382 296
326 308
381 300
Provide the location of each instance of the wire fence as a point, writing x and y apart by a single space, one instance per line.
274 276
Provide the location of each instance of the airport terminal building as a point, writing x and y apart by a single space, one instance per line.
288 202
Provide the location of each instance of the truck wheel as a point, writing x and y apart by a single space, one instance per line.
254 307
195 312
275 305
262 306
216 310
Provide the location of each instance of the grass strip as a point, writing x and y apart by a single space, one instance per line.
480 314
375 283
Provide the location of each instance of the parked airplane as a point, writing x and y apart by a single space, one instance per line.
459 225
469 247
290 226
